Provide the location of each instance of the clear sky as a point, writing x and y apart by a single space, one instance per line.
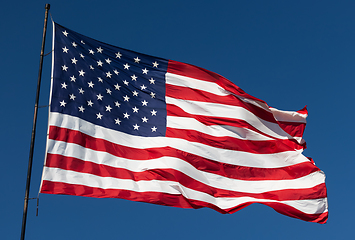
287 53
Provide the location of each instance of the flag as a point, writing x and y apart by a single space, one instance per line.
127 125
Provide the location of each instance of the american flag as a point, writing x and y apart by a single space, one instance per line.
123 124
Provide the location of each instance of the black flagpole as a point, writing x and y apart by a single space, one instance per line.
29 170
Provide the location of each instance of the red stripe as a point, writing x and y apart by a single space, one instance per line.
192 71
295 129
200 163
78 165
303 110
165 199
186 93
150 197
173 110
231 143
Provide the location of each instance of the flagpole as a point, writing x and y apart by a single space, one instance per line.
29 170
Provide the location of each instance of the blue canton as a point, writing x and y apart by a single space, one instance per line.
108 86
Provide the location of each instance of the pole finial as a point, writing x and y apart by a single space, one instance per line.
47 7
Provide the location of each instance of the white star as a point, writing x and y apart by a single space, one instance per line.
117 104
82 42
108 91
65 33
81 91
82 56
99 63
154 113
108 60
108 74
152 95
99 116
137 60
144 103
134 77
126 66
91 84
108 108
65 49
152 81
62 103
64 85
99 96
73 60
90 103
64 68
154 129
125 82
155 64
117 87
117 121
135 93
136 127
72 96
99 50
81 73
74 44
144 119
126 115
81 109
100 79
91 67
118 55
135 109
143 87
72 78
116 72
91 52
145 71
126 98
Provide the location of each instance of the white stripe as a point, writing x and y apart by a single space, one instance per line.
214 88
228 111
213 180
311 206
72 177
288 116
182 81
214 130
59 175
239 158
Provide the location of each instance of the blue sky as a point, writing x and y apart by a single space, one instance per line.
287 53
